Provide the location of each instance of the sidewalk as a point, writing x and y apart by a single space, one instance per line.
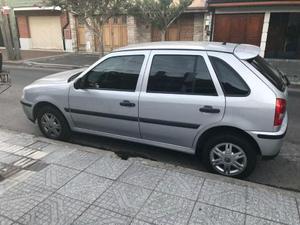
50 182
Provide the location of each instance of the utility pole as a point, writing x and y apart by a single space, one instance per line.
14 32
9 32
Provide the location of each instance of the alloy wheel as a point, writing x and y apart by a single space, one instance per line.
228 159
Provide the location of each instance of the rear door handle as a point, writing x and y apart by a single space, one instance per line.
127 103
209 109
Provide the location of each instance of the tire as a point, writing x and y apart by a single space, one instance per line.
59 129
217 160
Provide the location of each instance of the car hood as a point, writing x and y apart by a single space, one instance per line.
59 78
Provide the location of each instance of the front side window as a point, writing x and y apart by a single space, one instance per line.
180 74
231 82
116 73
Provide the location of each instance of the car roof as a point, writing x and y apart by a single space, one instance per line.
243 51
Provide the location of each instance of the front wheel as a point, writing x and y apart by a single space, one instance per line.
52 123
229 155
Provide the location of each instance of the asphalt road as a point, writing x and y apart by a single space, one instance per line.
284 171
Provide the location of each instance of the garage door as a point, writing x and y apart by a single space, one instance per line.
46 32
181 29
239 28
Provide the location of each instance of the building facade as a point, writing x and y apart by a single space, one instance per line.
50 28
274 25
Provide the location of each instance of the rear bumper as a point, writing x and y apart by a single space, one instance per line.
270 143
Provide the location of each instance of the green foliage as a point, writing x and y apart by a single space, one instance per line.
159 13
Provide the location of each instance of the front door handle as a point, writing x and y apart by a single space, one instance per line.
209 109
127 103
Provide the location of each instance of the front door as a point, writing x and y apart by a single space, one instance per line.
109 100
180 96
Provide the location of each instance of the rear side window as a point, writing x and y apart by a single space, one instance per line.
231 82
269 72
180 74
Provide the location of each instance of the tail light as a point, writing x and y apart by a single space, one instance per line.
280 110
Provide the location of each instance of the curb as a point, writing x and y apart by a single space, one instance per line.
50 65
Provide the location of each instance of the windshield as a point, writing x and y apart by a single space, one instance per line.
270 72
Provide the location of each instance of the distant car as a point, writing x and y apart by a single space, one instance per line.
220 101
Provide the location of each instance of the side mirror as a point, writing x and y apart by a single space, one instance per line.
79 84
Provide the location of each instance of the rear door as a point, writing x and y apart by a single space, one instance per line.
180 96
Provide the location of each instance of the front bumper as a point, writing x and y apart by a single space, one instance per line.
28 110
270 143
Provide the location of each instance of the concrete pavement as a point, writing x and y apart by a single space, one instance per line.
50 182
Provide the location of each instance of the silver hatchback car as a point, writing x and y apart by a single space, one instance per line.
220 101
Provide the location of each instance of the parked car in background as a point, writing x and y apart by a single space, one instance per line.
220 101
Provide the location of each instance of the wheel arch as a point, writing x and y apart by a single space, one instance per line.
225 129
43 104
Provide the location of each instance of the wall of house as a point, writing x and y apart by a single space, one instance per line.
24 32
198 27
68 28
137 31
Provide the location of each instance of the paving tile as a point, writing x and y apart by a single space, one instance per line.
142 175
21 139
210 215
8 158
24 162
139 222
56 155
125 199
5 221
58 148
85 187
250 220
5 135
7 170
78 160
20 199
272 205
180 184
7 184
109 167
98 216
52 177
10 148
56 210
166 209
31 153
229 196
40 145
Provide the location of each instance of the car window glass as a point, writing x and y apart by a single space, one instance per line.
269 72
116 73
180 74
231 82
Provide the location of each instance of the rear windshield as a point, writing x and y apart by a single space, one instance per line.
271 73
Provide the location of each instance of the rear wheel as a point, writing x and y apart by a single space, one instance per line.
52 123
229 155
